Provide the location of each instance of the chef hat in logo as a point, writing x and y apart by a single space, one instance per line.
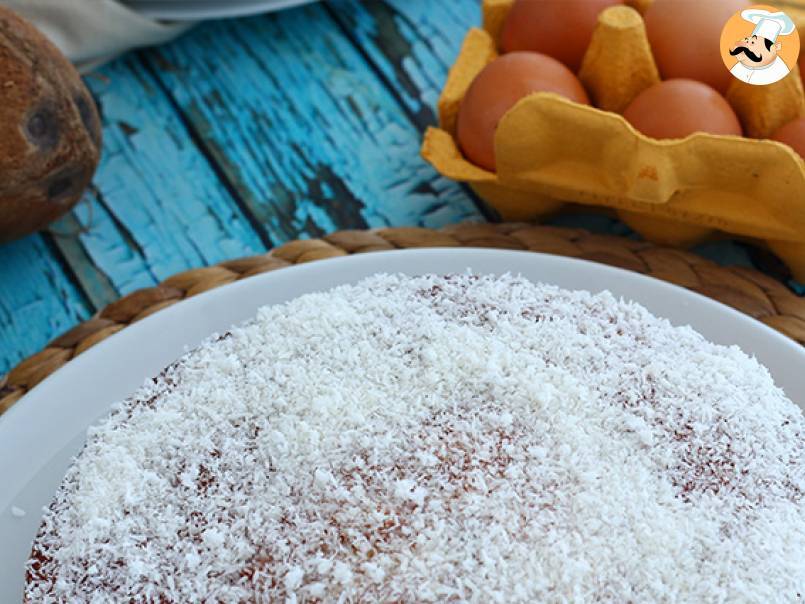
767 24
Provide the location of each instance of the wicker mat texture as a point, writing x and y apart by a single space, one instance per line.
745 289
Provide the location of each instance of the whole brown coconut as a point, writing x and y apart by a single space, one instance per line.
50 132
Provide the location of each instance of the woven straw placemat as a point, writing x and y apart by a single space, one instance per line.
747 290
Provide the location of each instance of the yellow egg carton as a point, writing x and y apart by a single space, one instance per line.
550 151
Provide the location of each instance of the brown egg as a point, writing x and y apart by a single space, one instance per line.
685 37
50 132
677 108
793 135
559 28
497 88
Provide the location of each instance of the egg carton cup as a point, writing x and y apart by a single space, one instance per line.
550 151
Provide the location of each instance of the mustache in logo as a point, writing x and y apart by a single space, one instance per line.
743 49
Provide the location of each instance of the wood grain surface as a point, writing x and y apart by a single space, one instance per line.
238 137
306 134
412 44
38 298
158 206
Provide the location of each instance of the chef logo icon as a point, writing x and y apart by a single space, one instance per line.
760 45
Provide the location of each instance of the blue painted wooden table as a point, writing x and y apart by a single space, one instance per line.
240 136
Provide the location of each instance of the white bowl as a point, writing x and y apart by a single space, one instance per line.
44 430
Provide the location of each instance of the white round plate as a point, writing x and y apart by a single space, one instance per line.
43 431
199 10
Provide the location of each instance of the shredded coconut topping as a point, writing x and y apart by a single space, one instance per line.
439 438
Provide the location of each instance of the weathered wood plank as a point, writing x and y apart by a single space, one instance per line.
97 286
413 44
38 300
303 129
157 206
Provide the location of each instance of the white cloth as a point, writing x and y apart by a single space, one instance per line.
769 74
91 32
